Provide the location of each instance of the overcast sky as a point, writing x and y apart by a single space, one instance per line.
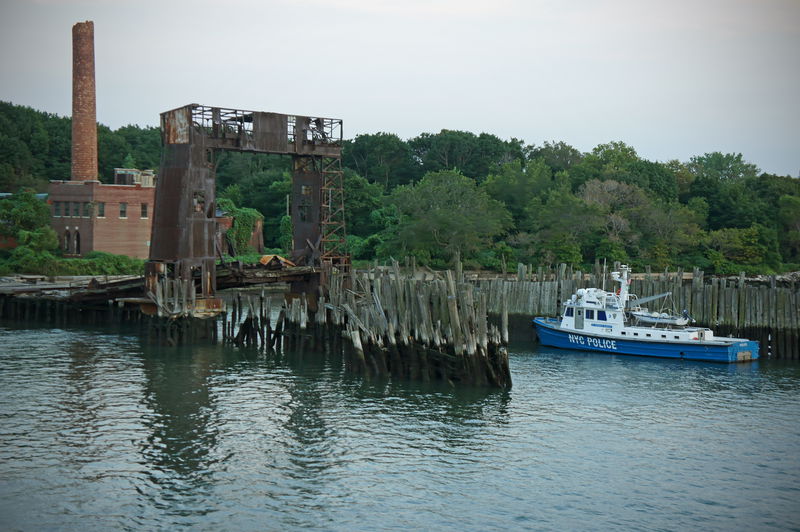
672 78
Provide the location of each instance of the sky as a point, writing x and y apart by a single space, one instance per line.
672 78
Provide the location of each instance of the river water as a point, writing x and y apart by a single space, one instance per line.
103 431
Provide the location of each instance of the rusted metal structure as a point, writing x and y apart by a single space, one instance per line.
183 244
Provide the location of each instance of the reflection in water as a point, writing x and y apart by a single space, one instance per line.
101 431
182 432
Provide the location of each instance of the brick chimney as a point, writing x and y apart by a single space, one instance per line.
84 114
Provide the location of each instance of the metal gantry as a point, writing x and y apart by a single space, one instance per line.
184 227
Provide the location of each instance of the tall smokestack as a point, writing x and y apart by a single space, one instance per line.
84 114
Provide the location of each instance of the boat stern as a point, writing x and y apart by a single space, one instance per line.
743 351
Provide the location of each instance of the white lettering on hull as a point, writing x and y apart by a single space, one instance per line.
590 341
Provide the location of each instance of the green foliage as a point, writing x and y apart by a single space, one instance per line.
559 156
381 158
129 161
22 211
500 200
446 214
39 239
285 232
474 156
753 249
27 260
252 257
36 147
516 186
232 193
789 217
363 198
244 223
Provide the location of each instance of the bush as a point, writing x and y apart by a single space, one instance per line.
27 260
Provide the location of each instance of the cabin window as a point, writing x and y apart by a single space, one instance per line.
677 337
569 312
648 335
589 314
663 336
636 334
601 315
623 332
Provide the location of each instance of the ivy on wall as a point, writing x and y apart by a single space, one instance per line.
244 223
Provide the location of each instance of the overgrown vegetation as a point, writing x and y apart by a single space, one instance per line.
26 218
244 219
452 193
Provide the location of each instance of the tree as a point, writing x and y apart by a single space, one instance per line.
563 225
362 198
749 249
716 166
789 216
381 158
473 156
446 214
516 185
23 211
612 160
559 156
129 161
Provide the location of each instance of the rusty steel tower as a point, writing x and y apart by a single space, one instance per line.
184 226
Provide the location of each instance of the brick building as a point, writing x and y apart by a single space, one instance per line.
91 216
88 215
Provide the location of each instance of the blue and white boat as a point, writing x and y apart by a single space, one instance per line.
614 322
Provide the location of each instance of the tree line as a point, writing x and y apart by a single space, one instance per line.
487 200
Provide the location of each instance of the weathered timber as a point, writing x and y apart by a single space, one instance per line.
762 309
422 330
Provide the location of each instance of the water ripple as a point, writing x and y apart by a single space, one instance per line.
102 431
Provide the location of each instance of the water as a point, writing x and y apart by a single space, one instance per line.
102 431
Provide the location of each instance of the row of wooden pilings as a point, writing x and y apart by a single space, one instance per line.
393 325
765 312
57 312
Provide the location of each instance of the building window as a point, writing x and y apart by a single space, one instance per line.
87 212
144 210
199 201
67 241
56 209
123 210
76 209
101 209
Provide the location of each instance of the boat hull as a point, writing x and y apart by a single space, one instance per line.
736 350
